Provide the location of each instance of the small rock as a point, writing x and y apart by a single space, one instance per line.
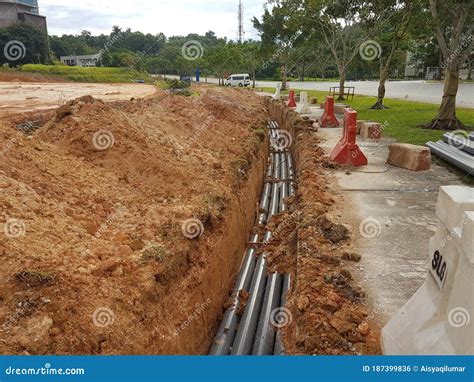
63 111
137 245
303 302
110 265
364 328
351 256
55 331
91 226
346 274
124 250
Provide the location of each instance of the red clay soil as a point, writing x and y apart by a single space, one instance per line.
327 311
94 260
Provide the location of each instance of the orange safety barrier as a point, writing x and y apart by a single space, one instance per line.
347 151
328 118
291 99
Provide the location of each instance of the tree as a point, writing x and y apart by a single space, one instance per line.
23 44
452 25
337 21
280 32
387 21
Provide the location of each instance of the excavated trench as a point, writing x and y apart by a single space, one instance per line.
251 327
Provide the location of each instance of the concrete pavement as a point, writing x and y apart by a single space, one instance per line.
391 212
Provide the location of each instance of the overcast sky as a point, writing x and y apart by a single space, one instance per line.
172 17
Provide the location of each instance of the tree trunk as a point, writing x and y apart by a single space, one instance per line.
254 74
381 91
284 77
446 118
342 81
469 70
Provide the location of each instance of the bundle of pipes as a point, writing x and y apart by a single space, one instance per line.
457 149
255 332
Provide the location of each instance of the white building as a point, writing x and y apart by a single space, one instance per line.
85 61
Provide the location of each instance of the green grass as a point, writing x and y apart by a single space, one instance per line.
95 74
402 119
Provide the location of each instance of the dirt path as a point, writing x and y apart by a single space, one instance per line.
20 97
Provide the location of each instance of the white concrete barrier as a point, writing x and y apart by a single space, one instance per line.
303 106
277 94
438 319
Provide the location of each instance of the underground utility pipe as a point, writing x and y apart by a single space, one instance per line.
227 329
265 336
248 322
279 350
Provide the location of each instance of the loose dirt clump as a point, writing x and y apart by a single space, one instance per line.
94 205
328 315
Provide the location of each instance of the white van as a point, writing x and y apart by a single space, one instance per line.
238 80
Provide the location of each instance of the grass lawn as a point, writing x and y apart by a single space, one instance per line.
95 74
401 120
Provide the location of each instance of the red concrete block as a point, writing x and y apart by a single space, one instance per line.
347 151
291 99
328 118
410 157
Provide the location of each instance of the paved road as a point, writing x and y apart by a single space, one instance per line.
430 92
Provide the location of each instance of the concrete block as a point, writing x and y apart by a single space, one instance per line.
340 107
410 157
438 318
370 130
359 125
452 201
303 106
277 95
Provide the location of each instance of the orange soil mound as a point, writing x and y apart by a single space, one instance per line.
99 194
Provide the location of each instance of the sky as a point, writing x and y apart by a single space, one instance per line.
171 17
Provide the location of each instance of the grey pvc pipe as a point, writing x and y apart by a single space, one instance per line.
248 323
265 336
291 174
459 143
279 350
266 194
284 184
228 326
453 156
